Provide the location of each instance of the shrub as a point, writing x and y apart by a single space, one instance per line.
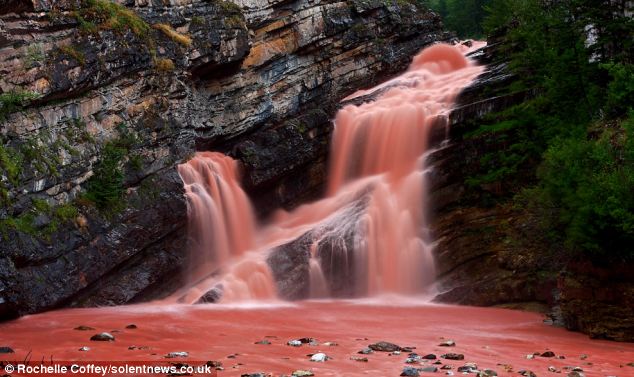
13 101
164 65
101 14
172 34
72 52
105 187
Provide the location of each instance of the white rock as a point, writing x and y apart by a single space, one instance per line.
319 357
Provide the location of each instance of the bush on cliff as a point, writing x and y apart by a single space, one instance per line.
572 144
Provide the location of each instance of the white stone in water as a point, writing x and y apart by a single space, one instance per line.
531 356
84 348
294 343
319 357
172 355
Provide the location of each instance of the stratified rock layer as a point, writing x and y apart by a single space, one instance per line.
259 80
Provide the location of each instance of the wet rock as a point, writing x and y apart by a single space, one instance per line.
487 373
583 356
173 355
84 328
445 367
131 326
366 351
330 344
384 347
577 369
576 374
553 369
211 296
214 364
84 349
410 372
530 356
308 340
468 368
430 356
395 353
429 369
102 337
412 358
548 354
263 341
132 348
294 343
448 343
319 357
453 356
256 374
302 373
6 349
527 373
357 358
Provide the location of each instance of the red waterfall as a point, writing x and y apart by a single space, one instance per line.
378 151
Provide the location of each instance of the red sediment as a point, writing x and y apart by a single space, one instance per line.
486 336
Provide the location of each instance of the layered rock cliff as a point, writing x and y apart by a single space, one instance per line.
100 101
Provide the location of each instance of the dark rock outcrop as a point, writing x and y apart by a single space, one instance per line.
259 80
483 256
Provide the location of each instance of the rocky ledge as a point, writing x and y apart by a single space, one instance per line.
100 101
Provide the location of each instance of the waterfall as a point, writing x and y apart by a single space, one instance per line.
369 235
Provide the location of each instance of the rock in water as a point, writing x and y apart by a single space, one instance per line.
103 337
410 372
302 373
264 341
84 349
548 354
6 350
131 326
319 357
453 356
211 296
384 347
294 343
527 373
84 328
429 369
430 356
576 374
366 351
448 343
487 373
173 355
361 359
468 368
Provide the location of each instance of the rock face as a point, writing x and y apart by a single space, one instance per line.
481 256
100 102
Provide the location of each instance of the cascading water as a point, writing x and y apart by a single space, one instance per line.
368 236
